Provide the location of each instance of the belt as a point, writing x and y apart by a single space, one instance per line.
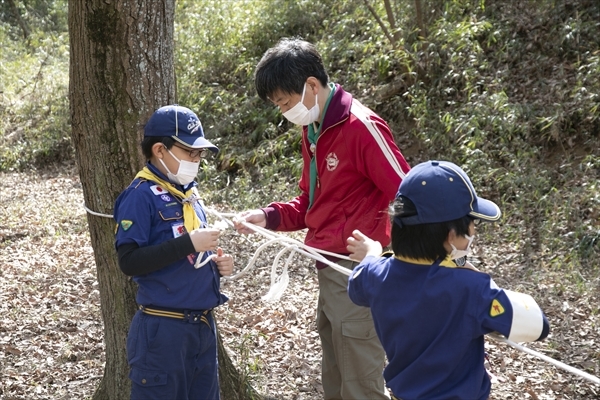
191 316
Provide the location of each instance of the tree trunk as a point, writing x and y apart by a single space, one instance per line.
22 24
121 70
234 385
419 14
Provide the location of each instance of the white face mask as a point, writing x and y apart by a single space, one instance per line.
186 172
300 115
460 256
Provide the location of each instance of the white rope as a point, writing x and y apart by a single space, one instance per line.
552 361
279 283
96 213
299 247
203 263
197 265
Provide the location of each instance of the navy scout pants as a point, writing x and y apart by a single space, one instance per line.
172 359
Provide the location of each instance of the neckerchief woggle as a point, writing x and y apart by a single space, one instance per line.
190 218
312 139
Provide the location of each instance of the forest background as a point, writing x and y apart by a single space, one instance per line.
508 90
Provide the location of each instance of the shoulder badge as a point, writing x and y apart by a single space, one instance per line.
496 308
126 224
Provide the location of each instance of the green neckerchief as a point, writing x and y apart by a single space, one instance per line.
312 139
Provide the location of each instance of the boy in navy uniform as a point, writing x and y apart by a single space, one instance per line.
430 307
163 241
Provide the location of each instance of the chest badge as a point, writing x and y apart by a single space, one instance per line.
332 161
313 147
157 190
178 229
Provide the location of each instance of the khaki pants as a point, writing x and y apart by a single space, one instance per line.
353 358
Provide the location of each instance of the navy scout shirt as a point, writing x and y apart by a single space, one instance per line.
148 214
431 321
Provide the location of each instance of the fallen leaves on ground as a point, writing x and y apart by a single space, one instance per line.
51 331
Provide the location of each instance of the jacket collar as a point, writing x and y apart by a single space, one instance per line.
339 108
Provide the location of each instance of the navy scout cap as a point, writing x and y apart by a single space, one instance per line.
441 191
181 124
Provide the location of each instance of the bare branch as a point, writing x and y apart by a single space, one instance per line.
20 20
419 12
392 21
381 24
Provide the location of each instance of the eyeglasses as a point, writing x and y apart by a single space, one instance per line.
194 153
476 221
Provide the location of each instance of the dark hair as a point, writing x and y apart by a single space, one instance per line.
286 67
422 240
149 141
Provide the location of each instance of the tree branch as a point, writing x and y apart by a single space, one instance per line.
380 22
20 20
419 12
392 21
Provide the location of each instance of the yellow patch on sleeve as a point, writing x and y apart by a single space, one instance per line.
126 224
496 308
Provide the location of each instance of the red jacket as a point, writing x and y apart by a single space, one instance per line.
359 169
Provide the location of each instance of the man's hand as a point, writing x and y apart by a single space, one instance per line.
256 217
205 239
360 246
224 262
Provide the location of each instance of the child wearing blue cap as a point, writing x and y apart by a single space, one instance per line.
432 309
164 243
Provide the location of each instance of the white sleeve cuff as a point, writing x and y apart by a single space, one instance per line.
527 320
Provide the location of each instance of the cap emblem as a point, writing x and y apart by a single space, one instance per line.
193 125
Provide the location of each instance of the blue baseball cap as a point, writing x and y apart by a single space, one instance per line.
181 124
441 191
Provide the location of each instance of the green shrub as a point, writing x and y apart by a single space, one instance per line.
508 90
34 108
218 46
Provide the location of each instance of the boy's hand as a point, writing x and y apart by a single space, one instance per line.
361 246
205 239
224 262
256 217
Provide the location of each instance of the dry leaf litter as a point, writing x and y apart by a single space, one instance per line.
51 332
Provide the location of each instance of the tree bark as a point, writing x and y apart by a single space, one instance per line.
419 14
121 70
391 20
234 385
